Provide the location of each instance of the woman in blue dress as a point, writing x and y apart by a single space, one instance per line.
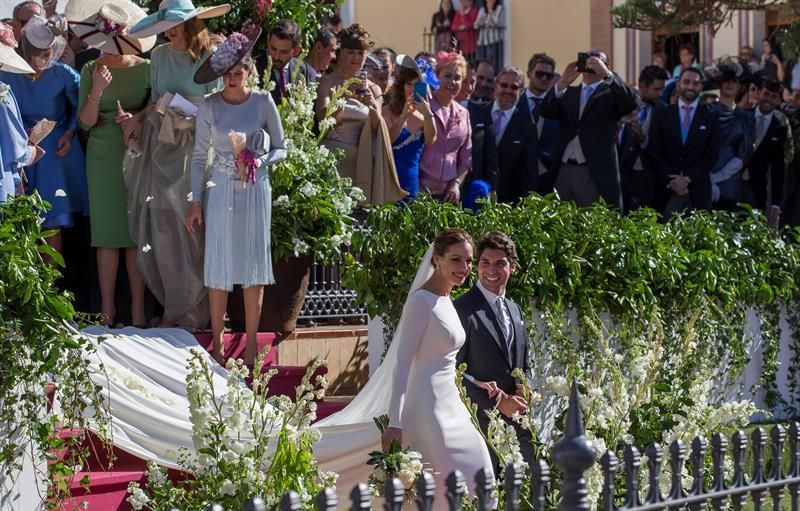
51 92
410 120
15 152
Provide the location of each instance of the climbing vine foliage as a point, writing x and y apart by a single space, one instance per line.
660 309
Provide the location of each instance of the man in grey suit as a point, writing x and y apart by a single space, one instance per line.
497 342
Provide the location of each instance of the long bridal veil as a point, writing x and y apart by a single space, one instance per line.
373 399
143 377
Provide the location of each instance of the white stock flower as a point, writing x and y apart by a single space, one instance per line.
308 189
300 247
228 488
138 498
327 123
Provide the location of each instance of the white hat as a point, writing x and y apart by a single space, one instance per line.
104 24
9 59
172 13
39 35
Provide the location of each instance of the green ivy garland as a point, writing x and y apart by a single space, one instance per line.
688 282
40 344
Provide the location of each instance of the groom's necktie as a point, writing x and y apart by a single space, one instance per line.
505 323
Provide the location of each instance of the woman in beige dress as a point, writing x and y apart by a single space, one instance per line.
359 121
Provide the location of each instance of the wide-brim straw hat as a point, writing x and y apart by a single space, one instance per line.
172 13
227 55
104 24
10 60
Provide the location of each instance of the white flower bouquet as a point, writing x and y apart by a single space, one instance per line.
396 461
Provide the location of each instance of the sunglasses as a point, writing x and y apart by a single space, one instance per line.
512 86
544 74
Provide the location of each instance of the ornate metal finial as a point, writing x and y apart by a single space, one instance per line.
655 455
540 476
719 445
327 500
290 502
212 507
456 488
574 454
258 504
360 498
484 488
394 494
698 456
633 461
513 476
677 458
426 491
610 465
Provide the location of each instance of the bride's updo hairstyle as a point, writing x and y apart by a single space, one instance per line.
448 237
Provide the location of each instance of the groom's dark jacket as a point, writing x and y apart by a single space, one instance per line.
485 350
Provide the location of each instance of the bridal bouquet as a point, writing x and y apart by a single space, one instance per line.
396 461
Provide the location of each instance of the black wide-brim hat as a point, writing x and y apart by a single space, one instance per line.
227 55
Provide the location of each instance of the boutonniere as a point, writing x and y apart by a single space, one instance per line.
4 90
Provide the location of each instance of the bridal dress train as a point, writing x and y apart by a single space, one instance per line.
144 373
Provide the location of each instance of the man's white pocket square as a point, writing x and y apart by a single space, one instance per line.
774 139
517 141
479 125
703 127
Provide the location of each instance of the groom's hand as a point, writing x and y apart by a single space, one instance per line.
510 405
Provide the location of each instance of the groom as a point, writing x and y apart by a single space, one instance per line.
497 341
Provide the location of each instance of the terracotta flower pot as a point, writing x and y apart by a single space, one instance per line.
283 300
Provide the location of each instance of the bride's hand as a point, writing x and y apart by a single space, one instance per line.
389 435
489 386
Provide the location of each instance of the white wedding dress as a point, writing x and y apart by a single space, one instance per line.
143 378
425 402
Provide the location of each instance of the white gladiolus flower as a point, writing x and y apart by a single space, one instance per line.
60 193
327 123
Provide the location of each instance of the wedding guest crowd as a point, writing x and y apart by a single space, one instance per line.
132 124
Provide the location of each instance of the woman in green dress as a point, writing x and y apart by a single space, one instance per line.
114 88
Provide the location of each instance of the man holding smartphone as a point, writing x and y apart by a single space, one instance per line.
585 160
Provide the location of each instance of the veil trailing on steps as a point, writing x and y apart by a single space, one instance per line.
144 379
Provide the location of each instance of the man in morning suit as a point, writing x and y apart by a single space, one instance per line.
283 46
767 167
516 138
586 162
683 144
496 339
541 76
636 171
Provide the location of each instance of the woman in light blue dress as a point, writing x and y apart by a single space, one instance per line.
236 192
52 93
158 180
410 120
15 152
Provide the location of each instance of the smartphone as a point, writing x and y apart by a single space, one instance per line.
361 86
420 91
581 67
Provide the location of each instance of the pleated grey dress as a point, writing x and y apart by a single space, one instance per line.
237 219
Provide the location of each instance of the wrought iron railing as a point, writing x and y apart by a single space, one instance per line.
477 43
328 301
574 454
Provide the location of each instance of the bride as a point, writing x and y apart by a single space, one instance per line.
144 378
425 409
